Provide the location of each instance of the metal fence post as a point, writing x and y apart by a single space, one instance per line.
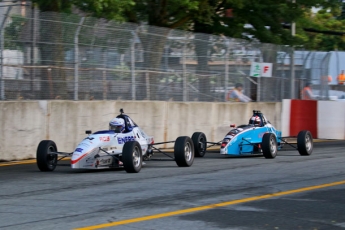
292 69
33 46
2 33
133 65
226 80
185 93
76 59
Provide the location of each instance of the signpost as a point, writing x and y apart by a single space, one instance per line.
258 69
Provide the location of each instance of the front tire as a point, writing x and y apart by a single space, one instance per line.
132 157
269 146
199 142
304 143
46 161
184 151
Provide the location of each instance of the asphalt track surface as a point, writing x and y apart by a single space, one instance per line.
217 192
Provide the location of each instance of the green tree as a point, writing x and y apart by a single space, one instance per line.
55 31
326 22
203 16
13 31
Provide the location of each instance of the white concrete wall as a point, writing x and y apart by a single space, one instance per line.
22 125
285 117
25 123
331 119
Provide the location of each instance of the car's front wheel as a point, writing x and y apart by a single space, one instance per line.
199 142
184 151
132 157
46 158
269 145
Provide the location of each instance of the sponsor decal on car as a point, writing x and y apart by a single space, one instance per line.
104 161
78 150
122 140
104 138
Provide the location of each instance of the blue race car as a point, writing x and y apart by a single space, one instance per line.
258 137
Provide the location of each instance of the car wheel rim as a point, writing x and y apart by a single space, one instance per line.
307 143
201 145
51 158
188 151
273 146
136 157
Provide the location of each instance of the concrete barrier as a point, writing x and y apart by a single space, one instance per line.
324 119
331 120
25 123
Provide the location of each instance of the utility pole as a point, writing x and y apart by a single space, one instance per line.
292 61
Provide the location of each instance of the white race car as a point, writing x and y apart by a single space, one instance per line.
109 149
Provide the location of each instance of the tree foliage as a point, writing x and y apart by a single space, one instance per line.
262 21
13 31
259 20
323 20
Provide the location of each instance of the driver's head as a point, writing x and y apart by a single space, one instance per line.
255 120
117 124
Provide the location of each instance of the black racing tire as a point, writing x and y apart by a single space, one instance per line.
184 151
305 143
200 144
132 157
269 145
46 162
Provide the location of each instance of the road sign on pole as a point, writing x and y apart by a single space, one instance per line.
258 69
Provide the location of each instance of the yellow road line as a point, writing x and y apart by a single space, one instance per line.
9 163
206 207
17 162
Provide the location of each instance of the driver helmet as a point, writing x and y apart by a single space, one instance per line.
255 120
117 124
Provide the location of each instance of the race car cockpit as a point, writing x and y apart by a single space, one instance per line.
258 119
129 123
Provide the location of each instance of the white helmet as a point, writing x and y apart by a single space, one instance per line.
117 124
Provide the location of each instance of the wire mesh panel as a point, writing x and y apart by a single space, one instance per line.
50 55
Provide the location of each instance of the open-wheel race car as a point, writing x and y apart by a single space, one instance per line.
257 137
124 145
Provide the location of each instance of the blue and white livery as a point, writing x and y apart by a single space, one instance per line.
125 145
258 137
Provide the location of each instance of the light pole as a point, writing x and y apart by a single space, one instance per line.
292 61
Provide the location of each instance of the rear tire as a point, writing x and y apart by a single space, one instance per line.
199 142
132 158
304 143
45 160
269 146
184 151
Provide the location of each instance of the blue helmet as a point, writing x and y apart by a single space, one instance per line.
117 124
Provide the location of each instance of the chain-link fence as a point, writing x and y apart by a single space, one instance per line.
46 55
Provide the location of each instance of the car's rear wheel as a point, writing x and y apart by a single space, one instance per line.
132 157
304 143
184 151
46 159
199 142
269 145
